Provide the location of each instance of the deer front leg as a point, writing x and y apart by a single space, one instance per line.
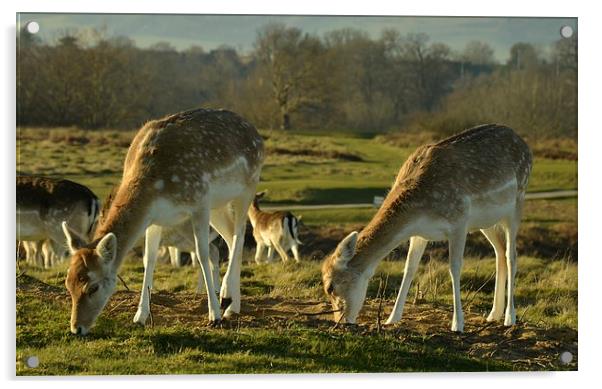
417 246
230 292
456 258
175 256
151 249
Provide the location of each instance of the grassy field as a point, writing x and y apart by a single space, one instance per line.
278 330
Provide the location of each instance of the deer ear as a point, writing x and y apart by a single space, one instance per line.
260 195
74 240
107 247
346 249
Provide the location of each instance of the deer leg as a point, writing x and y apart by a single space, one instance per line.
295 250
175 256
230 291
511 232
259 252
270 254
456 258
201 241
151 249
417 246
47 254
281 251
497 241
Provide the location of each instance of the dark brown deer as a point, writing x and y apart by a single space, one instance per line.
43 204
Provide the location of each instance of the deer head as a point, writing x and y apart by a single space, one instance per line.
90 279
345 287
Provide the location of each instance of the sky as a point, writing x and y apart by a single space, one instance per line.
239 31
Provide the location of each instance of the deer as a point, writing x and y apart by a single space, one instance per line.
475 180
39 253
180 239
175 240
42 204
200 166
274 231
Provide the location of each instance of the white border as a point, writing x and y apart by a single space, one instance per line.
589 177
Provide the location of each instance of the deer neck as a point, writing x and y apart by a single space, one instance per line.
254 212
127 219
385 232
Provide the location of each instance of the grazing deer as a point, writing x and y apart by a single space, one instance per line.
40 253
43 203
180 239
200 166
474 180
274 231
175 240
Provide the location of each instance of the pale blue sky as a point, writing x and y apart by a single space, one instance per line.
239 31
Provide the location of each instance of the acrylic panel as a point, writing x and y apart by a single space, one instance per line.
240 194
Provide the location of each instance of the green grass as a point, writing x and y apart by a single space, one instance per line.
291 178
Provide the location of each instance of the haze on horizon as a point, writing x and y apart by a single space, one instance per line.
239 31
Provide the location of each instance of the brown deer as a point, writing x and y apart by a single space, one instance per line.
475 180
175 240
43 203
274 231
200 166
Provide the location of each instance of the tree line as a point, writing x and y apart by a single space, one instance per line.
342 80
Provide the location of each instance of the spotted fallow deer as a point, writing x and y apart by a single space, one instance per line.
176 239
274 231
475 180
43 203
200 165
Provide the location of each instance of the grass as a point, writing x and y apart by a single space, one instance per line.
273 334
546 298
299 176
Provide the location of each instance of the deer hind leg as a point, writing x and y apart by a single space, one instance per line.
230 291
511 229
259 252
417 246
201 240
213 264
495 236
281 251
151 249
457 243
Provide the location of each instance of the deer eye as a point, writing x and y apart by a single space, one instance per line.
91 290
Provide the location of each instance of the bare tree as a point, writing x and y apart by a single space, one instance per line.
291 62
